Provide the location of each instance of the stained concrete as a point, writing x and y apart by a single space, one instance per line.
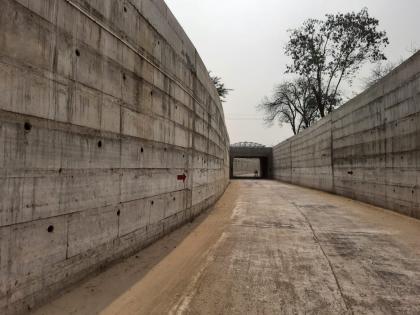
112 134
368 149
266 248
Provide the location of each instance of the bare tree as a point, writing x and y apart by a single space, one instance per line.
327 52
381 69
413 49
292 103
378 72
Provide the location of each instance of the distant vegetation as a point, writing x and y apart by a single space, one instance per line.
381 69
292 103
222 90
325 53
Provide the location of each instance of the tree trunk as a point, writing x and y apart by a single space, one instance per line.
319 102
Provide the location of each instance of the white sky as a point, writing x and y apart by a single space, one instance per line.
243 42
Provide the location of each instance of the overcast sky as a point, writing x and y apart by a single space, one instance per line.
243 42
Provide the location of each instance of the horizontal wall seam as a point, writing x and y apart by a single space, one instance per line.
102 133
117 204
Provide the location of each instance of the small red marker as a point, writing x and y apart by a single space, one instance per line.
182 177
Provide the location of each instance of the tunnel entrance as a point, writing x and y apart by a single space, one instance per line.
250 160
246 167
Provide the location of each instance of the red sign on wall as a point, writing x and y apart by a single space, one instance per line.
182 177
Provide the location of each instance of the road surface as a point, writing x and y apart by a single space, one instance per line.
266 248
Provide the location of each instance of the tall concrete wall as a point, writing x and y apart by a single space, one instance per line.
369 149
104 104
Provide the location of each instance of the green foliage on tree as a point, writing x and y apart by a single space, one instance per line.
222 90
328 52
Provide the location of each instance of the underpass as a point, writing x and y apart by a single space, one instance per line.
250 160
115 191
266 248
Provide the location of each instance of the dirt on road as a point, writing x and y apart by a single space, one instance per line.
266 248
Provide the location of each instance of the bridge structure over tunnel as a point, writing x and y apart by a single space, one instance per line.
251 150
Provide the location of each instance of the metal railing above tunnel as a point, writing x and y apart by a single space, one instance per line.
249 150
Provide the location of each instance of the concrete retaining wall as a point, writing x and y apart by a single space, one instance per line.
369 149
103 105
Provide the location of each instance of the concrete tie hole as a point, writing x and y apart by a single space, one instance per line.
141 150
152 202
118 212
50 229
99 144
77 52
125 9
27 126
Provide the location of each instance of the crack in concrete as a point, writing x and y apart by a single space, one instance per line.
265 226
340 289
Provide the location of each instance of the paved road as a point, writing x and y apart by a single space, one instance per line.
267 248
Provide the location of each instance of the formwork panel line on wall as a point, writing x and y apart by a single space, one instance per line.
80 9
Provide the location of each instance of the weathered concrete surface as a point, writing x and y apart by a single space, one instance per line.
244 167
103 105
267 248
367 150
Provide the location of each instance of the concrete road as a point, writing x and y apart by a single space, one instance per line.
266 248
